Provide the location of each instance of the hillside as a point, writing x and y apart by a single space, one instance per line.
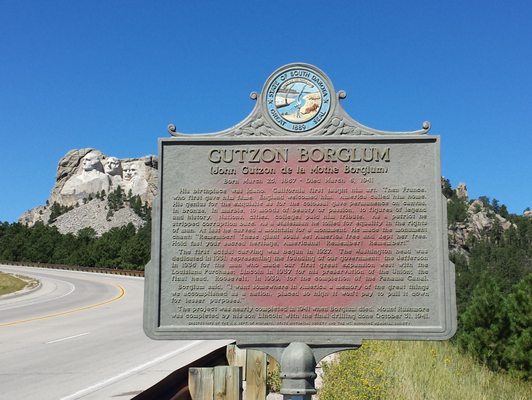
93 214
470 220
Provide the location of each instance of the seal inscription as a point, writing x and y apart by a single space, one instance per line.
298 99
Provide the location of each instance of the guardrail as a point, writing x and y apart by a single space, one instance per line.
112 271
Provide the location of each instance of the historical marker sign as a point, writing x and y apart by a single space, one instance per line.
300 224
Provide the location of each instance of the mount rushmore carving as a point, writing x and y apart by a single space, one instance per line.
83 174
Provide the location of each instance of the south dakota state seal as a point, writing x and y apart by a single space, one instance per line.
298 98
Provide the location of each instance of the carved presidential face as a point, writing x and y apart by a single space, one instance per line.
91 162
113 166
131 171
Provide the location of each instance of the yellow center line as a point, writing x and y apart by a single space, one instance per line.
121 294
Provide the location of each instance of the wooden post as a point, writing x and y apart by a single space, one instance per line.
201 383
255 376
227 383
237 358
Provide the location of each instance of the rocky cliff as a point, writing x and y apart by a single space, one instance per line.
84 180
475 219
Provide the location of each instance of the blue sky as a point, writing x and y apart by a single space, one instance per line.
112 74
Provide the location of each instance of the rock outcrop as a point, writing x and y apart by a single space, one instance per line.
461 191
480 221
87 174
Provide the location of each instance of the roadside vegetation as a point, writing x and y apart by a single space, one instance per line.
415 371
10 284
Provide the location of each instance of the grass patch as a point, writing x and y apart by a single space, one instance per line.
415 370
10 283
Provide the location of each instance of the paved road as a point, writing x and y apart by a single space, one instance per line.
80 337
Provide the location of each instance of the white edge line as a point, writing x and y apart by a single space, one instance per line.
131 371
67 338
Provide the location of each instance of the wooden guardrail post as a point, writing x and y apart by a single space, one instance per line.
218 383
227 383
255 376
254 371
201 383
236 358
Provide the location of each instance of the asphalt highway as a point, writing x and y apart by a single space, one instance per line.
79 336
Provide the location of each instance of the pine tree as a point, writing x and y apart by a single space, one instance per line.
518 309
446 188
56 210
115 199
483 326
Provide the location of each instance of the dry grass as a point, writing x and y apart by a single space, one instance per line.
10 283
416 370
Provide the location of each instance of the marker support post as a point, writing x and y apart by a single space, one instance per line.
298 366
